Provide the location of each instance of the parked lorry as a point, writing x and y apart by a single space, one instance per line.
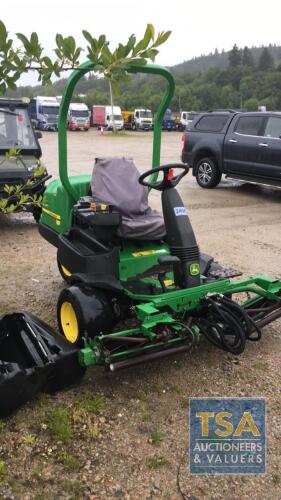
169 122
44 112
20 153
78 117
185 118
245 146
102 117
139 119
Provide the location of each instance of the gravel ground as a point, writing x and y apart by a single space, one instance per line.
125 435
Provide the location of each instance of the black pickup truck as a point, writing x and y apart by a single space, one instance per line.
245 146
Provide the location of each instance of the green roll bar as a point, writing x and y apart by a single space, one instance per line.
66 99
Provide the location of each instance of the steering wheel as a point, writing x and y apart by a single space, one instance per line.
168 181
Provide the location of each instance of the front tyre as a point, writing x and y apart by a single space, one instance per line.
207 173
84 312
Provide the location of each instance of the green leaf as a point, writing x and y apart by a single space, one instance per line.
3 34
47 61
25 42
106 56
147 37
88 36
152 31
162 37
101 42
59 40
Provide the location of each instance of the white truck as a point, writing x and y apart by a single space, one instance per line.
139 119
102 117
186 117
44 112
78 117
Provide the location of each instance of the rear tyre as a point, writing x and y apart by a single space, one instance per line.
64 272
84 312
207 173
37 214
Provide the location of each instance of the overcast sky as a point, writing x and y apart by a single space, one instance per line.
198 27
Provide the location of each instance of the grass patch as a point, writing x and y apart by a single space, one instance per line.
141 396
146 418
70 462
28 439
3 471
156 438
89 402
75 488
185 403
261 365
157 463
59 426
276 479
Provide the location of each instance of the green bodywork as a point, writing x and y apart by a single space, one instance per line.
61 194
170 309
165 311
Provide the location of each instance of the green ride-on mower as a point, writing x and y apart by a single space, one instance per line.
125 262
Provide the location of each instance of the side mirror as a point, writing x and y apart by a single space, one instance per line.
38 135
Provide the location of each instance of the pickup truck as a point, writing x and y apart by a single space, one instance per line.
241 145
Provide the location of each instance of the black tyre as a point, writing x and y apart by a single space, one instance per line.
207 173
37 213
84 312
64 272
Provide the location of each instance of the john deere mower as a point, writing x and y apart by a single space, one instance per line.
138 286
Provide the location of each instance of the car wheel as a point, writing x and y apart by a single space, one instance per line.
207 173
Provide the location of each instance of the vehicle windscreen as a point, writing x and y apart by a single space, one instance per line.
145 114
80 113
16 129
191 116
50 110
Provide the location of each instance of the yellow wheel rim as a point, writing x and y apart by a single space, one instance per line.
65 271
69 322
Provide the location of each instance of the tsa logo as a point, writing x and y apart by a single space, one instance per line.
227 436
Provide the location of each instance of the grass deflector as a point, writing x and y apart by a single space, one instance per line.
133 299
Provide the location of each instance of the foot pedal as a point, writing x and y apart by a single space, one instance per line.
224 273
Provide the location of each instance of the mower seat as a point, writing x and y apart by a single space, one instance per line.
115 182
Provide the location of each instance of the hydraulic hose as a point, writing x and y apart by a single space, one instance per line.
226 324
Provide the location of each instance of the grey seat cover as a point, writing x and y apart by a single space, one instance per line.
115 181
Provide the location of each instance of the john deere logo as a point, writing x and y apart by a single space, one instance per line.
194 269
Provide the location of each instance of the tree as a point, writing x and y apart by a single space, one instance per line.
247 57
111 64
266 61
235 57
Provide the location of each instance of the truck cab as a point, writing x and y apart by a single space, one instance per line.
78 117
44 112
143 119
186 117
117 117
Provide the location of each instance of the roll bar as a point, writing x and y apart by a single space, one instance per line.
66 99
